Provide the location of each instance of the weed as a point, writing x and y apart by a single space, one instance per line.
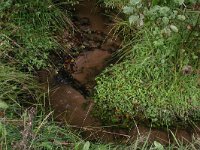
149 84
156 81
115 3
30 27
14 83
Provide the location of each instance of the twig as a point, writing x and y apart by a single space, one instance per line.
100 130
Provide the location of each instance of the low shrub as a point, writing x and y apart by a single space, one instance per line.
145 90
157 81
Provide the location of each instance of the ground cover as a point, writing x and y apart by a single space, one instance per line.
29 35
158 79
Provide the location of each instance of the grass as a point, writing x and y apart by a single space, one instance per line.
27 38
153 82
146 88
14 84
32 129
31 26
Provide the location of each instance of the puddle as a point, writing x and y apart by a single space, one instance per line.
67 98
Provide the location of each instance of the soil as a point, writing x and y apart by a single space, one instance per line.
70 87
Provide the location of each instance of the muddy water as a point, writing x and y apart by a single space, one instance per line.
69 104
89 65
88 9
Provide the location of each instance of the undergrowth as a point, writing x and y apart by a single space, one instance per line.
28 30
114 3
147 89
157 81
14 84
33 129
27 37
30 27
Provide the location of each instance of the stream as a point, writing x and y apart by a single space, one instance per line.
71 101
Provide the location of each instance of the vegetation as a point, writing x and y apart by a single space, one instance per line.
114 3
157 81
27 37
29 26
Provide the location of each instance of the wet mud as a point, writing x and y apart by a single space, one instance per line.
90 11
71 106
69 88
89 65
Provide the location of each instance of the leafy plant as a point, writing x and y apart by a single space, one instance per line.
115 3
147 86
156 82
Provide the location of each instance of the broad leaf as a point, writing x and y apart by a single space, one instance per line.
174 28
86 146
135 2
158 146
3 105
128 10
133 19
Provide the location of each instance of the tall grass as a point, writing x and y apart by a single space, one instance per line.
31 27
14 83
27 37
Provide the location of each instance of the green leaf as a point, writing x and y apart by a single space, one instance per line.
181 17
164 10
135 2
155 2
46 145
165 20
173 28
133 19
3 105
128 10
86 146
180 2
158 146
